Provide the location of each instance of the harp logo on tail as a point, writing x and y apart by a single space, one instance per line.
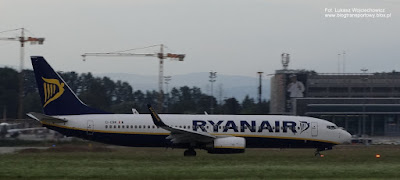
53 89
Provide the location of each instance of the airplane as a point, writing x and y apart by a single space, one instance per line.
12 130
217 134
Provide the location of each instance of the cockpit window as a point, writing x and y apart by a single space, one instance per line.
331 127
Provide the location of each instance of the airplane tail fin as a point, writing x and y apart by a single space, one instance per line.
56 96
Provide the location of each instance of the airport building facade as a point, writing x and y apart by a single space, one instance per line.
362 103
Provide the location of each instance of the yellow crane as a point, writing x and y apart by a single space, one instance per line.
160 55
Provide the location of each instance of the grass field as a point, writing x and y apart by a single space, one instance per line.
343 162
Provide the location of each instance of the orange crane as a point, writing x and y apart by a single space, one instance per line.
160 55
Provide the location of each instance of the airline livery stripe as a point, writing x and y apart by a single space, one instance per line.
215 134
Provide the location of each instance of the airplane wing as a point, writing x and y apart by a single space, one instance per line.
180 135
25 129
45 118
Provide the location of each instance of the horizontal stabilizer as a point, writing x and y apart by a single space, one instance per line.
45 118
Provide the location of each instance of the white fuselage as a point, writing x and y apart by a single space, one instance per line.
247 126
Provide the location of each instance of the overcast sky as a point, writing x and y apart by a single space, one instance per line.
233 37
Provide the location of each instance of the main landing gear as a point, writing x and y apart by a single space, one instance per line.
189 152
317 153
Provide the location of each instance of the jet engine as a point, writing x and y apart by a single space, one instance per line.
227 145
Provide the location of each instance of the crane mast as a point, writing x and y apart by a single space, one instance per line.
160 55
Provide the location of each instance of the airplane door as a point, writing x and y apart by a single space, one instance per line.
90 127
314 129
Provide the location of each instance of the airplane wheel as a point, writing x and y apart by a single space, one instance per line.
189 152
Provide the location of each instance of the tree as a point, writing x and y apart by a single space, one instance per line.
73 80
263 107
231 106
94 92
119 97
9 91
248 106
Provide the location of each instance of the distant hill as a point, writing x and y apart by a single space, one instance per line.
232 86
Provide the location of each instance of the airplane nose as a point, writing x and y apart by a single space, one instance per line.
345 136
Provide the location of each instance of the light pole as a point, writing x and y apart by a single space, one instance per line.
260 87
213 76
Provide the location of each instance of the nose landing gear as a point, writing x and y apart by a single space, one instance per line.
318 151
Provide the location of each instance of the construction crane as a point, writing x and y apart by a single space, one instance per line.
22 39
160 55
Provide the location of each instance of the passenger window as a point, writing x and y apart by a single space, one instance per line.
140 126
131 126
148 127
115 126
123 126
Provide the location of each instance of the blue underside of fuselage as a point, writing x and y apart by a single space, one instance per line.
148 140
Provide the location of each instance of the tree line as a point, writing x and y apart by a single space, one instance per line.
119 97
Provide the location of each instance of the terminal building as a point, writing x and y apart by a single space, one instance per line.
362 103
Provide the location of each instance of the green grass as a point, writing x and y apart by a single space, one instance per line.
346 162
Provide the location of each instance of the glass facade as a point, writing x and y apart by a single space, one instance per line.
359 116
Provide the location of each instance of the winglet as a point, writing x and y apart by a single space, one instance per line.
156 119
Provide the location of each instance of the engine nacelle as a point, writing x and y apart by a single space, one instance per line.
227 145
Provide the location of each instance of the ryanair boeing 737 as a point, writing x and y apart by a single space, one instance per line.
66 113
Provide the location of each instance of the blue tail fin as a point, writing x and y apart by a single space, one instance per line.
57 98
